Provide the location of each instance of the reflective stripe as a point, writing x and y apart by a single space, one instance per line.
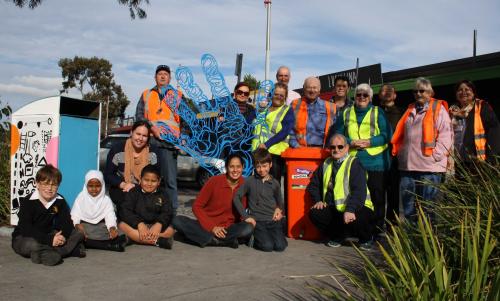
372 123
341 190
277 119
430 144
366 130
297 108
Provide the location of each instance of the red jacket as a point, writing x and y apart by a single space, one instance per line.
214 204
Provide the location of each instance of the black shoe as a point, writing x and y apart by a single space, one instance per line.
215 242
165 243
79 251
115 246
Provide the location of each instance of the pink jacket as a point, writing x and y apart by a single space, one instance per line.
410 155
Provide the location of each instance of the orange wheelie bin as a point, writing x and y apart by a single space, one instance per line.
300 165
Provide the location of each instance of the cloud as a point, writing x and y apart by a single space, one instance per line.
311 37
22 89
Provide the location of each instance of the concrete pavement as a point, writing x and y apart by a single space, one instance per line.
184 273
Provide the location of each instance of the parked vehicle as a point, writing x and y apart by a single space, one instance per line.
188 169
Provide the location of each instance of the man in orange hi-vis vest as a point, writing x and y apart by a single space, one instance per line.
313 117
154 107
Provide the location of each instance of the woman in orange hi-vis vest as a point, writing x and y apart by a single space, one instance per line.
421 141
476 127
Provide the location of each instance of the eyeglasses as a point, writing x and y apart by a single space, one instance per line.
421 91
364 95
48 185
339 147
239 92
280 96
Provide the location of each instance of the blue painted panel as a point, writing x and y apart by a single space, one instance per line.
78 147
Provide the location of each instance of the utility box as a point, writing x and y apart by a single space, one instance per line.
57 130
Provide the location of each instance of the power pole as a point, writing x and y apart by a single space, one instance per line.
267 3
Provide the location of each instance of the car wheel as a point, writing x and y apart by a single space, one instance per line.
202 176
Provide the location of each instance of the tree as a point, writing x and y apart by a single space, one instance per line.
134 6
251 81
95 74
5 114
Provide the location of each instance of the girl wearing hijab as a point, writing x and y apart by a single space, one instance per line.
94 216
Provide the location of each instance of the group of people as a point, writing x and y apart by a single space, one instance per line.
377 153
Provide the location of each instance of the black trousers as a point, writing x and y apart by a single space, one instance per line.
269 236
331 223
25 245
194 232
392 190
116 195
278 168
376 185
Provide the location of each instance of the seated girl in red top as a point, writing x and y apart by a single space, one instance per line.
218 222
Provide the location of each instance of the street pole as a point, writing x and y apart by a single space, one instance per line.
107 113
267 3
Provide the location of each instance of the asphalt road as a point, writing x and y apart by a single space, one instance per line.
184 273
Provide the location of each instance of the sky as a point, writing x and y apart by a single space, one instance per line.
311 37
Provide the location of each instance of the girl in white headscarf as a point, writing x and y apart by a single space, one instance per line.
93 214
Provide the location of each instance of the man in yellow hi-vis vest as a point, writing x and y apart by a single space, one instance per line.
341 198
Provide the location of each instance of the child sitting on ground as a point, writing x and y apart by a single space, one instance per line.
265 204
44 231
146 213
94 215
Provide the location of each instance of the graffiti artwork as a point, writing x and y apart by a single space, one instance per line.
32 136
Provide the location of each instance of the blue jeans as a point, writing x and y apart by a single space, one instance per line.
195 233
168 169
416 183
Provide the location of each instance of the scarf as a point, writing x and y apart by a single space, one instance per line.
93 209
134 166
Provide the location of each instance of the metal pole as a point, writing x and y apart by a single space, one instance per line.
357 71
107 113
475 39
268 38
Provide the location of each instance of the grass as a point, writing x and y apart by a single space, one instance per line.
454 256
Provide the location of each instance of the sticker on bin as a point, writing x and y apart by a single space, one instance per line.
303 171
300 176
299 186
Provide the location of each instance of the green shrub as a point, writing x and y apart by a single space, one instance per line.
5 112
453 258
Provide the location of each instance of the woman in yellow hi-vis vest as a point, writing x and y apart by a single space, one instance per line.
274 137
368 133
341 198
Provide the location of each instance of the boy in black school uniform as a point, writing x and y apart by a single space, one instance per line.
146 214
45 230
265 205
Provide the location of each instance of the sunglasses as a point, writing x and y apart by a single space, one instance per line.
339 147
239 92
421 91
279 96
364 95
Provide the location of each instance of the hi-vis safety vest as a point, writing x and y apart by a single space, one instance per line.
368 129
429 130
159 110
341 190
300 111
264 133
479 132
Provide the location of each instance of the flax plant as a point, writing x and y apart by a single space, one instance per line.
450 255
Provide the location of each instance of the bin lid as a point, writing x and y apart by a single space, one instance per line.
305 153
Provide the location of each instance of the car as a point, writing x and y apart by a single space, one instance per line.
188 168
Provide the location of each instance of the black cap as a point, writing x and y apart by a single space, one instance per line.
162 67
